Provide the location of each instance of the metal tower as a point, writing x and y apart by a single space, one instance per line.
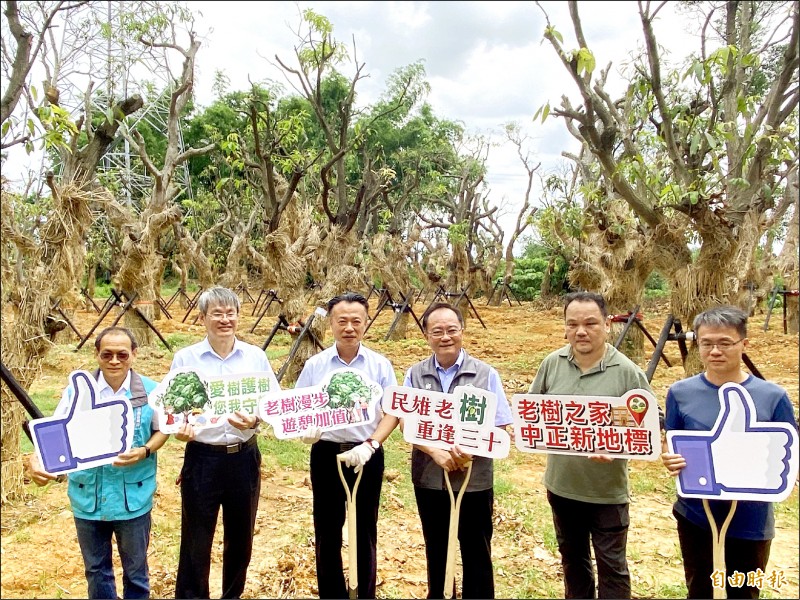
119 67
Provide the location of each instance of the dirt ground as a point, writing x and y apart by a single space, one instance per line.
40 556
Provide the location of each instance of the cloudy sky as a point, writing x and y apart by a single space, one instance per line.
485 61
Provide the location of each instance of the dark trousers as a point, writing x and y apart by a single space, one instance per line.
330 510
605 526
133 537
210 480
744 556
474 538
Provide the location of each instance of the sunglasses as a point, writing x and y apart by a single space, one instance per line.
122 355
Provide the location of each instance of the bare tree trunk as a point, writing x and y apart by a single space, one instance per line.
458 276
620 301
709 280
142 265
142 278
282 263
333 266
389 264
52 264
545 288
499 290
192 254
91 281
789 257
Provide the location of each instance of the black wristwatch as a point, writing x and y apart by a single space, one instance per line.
146 451
374 443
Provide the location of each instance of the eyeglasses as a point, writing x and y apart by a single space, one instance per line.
218 316
440 333
723 346
122 355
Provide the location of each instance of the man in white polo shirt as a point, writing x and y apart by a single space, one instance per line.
348 314
221 466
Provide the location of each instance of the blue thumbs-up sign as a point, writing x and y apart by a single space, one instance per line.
740 458
92 432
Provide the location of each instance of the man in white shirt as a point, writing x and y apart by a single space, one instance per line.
221 466
348 314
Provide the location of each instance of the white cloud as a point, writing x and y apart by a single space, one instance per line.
485 61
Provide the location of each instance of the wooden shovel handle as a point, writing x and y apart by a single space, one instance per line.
718 544
352 548
452 536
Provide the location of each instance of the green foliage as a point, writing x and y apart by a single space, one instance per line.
656 286
457 233
283 454
530 269
171 284
543 112
181 340
585 61
58 127
186 392
674 590
320 46
46 401
345 389
397 459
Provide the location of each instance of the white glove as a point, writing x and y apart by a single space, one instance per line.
357 457
312 435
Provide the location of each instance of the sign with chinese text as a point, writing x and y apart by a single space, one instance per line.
187 396
345 397
464 418
625 427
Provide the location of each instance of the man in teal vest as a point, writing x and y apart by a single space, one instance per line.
117 498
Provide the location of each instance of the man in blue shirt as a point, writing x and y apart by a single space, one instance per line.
448 367
348 314
221 465
693 404
115 499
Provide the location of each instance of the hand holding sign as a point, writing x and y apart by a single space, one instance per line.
91 433
714 466
464 418
187 401
345 397
600 427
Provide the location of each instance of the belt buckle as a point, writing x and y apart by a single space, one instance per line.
232 448
345 446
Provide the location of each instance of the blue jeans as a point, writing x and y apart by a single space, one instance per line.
133 537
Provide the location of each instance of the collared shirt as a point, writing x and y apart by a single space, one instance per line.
106 492
376 367
573 476
495 386
103 391
693 404
244 358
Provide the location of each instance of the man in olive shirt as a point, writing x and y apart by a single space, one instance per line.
589 495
